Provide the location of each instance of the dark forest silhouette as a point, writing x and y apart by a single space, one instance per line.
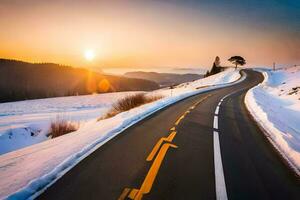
21 80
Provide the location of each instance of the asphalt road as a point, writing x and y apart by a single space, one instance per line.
189 150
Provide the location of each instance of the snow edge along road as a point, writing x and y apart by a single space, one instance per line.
253 109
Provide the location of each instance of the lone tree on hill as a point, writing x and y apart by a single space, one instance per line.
237 60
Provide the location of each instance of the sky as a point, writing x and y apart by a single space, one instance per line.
150 33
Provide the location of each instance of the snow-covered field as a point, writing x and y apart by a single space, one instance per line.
275 104
25 171
25 123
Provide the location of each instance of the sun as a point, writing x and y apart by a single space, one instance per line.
89 55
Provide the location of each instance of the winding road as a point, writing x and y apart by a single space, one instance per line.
204 147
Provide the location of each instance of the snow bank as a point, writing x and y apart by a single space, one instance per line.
26 172
275 104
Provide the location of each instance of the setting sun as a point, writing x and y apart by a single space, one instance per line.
89 55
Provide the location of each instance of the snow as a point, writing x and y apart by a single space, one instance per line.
275 104
26 172
26 123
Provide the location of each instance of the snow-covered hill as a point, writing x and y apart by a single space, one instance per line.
40 164
275 104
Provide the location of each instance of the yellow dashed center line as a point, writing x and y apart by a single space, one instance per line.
191 108
178 120
133 193
148 182
162 149
124 193
158 144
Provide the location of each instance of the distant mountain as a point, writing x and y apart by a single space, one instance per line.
164 79
21 80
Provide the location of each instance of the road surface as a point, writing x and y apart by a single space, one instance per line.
204 147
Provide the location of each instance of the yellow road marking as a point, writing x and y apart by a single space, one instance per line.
133 193
158 144
191 108
148 182
178 120
197 103
124 194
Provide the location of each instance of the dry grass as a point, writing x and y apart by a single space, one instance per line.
61 127
128 103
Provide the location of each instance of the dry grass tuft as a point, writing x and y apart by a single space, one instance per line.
61 127
130 102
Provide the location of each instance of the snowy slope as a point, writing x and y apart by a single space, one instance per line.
39 165
25 123
275 104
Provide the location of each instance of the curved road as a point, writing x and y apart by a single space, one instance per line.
204 147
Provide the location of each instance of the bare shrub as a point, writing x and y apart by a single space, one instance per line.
130 102
61 127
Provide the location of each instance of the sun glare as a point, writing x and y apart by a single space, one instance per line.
89 55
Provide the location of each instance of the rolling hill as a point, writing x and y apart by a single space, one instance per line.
164 79
22 80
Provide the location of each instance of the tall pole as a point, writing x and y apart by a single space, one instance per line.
273 66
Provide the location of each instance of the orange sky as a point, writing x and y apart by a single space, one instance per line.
135 34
